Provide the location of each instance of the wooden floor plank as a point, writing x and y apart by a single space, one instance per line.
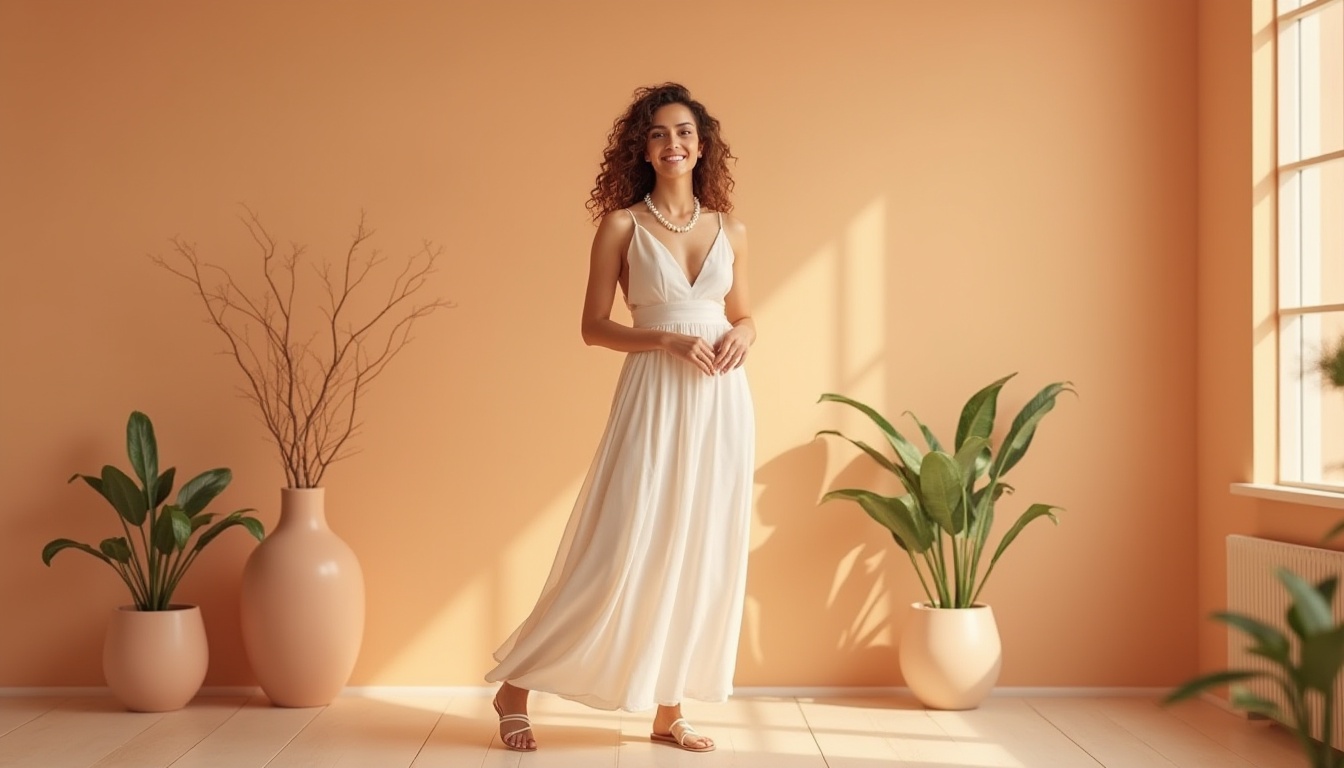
1260 742
849 733
1086 723
363 732
1169 736
75 734
250 738
14 712
760 732
1007 732
461 736
176 733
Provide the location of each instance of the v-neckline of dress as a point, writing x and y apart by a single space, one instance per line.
704 262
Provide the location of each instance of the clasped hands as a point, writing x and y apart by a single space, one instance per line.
729 353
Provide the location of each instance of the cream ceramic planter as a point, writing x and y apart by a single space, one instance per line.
302 605
155 661
950 657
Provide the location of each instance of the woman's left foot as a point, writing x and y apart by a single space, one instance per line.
679 733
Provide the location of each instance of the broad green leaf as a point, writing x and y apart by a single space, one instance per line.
142 449
116 549
127 497
164 486
200 521
1033 512
977 416
96 483
894 514
1322 658
202 489
57 545
1204 682
1267 638
868 449
941 483
1245 700
1022 431
172 530
930 439
973 457
1310 613
905 450
252 525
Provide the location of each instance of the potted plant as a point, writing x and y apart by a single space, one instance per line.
950 652
1307 667
307 366
155 653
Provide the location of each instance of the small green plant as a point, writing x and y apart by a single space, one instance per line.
946 514
1305 670
156 550
1331 364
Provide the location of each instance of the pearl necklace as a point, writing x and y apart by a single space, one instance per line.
695 215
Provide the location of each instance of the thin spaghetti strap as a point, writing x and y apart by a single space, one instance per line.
720 221
632 215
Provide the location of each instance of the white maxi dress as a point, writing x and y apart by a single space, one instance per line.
643 604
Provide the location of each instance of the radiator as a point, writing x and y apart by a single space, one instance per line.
1254 590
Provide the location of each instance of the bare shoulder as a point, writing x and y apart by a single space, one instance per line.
735 226
736 231
615 228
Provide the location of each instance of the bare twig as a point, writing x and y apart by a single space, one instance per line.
308 393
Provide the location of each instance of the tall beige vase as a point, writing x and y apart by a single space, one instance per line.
155 661
950 657
302 605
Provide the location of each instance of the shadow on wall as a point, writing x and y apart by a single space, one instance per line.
827 567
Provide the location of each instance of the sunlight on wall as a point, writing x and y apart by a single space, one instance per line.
845 330
488 600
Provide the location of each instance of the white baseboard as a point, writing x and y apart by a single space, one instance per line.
790 692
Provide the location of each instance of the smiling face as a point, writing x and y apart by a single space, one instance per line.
673 142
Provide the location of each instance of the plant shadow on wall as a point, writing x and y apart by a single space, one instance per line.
843 584
309 342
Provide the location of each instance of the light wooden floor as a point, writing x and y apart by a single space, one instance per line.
390 732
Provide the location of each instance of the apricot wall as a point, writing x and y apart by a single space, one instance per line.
934 199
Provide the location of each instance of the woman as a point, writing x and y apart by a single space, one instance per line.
643 604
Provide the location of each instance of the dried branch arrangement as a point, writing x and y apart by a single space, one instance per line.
308 385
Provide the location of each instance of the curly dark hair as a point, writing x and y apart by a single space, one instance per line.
625 178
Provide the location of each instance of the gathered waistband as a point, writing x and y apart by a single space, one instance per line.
691 311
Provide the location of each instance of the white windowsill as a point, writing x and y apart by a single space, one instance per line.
1290 494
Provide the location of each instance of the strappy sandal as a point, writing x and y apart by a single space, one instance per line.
679 738
504 738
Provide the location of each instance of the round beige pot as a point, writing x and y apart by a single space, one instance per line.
302 605
950 657
155 661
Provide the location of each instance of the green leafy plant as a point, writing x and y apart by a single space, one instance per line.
156 550
944 519
1305 668
1331 364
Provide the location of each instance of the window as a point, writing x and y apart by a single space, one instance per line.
1310 109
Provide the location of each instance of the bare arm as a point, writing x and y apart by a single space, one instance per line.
731 350
604 271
